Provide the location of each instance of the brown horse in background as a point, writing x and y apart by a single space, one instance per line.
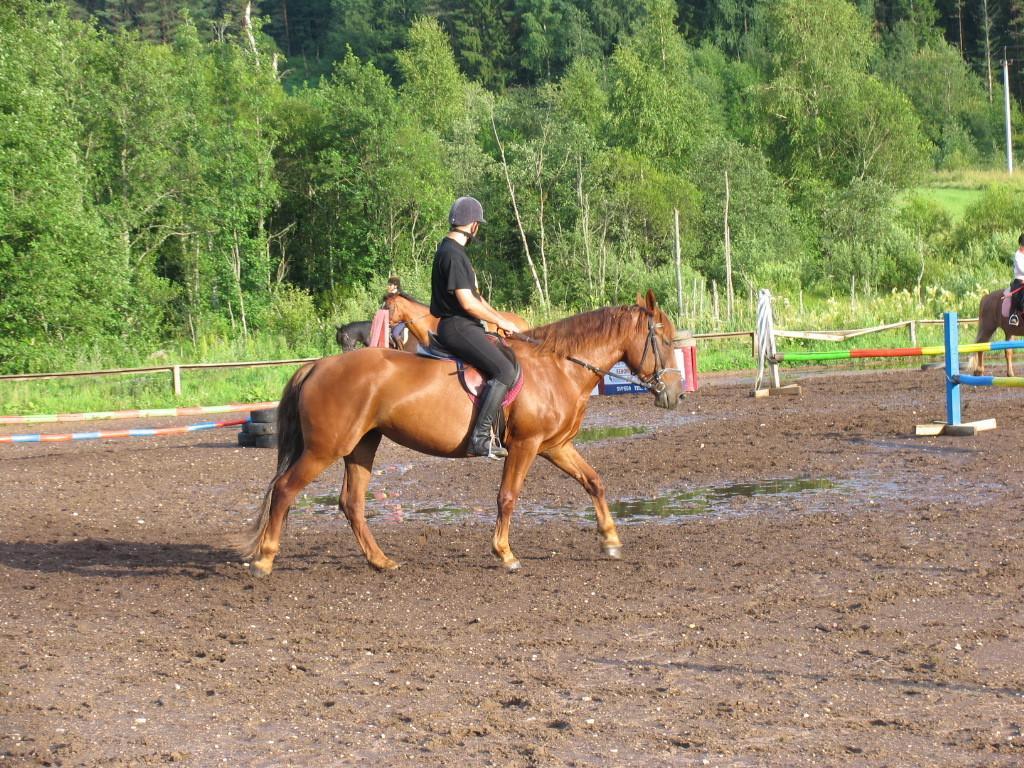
341 406
990 319
402 308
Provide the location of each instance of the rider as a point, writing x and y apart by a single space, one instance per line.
455 299
399 334
1017 286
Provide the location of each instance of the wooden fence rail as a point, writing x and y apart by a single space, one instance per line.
175 370
910 325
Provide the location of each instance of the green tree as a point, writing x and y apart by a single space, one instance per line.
482 40
950 100
365 180
823 115
432 85
62 286
656 109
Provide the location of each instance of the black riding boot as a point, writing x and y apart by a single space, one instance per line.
480 442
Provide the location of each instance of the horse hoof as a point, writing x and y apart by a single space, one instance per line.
512 567
615 553
387 565
260 571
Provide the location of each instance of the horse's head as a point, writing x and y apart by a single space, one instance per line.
394 308
653 355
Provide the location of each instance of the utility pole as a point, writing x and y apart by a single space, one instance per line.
986 24
1006 111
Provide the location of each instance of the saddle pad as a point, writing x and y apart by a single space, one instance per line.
470 378
473 381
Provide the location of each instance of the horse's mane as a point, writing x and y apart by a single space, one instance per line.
406 296
569 336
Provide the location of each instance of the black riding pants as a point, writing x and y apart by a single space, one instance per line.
466 338
1017 301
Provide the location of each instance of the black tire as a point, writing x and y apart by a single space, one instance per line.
259 428
264 415
257 441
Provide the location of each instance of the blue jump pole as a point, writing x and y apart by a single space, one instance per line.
952 339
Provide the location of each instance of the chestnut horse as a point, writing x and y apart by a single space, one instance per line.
403 308
990 319
341 406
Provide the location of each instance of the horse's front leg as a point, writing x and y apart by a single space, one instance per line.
568 459
517 464
1009 362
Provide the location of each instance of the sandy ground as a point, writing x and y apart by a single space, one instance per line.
874 618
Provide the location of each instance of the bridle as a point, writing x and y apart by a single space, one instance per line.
654 382
389 301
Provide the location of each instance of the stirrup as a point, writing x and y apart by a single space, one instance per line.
495 450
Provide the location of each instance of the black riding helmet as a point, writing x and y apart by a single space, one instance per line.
465 211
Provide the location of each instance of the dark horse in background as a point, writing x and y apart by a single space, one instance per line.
350 335
990 319
341 407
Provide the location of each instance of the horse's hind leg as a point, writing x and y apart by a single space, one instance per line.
286 488
568 459
981 337
979 364
358 470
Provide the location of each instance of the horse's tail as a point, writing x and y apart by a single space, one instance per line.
289 448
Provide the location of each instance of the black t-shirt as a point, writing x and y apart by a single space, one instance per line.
451 272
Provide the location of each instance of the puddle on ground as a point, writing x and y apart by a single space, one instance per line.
666 507
593 434
708 500
321 505
911 444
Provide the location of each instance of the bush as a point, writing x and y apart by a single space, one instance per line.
1000 210
956 149
925 218
292 315
349 303
863 241
981 267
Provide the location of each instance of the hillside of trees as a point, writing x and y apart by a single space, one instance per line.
182 171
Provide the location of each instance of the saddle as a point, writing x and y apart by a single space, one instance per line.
1006 307
470 378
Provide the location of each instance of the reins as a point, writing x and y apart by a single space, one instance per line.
653 384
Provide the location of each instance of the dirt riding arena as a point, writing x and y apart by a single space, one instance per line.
843 594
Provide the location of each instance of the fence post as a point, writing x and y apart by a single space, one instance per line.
176 379
913 333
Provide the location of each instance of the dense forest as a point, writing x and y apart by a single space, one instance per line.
187 170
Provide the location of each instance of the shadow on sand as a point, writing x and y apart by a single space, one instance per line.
114 558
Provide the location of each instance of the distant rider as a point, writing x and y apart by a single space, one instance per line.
1017 286
399 333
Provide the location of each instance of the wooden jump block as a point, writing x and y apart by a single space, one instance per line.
958 430
789 389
